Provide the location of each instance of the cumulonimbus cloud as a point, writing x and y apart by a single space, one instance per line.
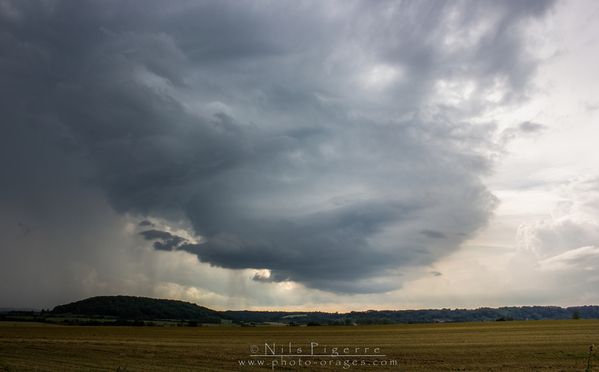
330 144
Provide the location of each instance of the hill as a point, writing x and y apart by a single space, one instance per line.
138 308
130 310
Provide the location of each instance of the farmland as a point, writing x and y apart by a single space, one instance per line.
554 345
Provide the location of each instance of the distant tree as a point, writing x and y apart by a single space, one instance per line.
576 315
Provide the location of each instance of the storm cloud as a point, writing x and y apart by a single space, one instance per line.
335 144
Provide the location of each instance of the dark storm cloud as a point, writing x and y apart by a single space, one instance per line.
432 234
163 240
269 126
324 249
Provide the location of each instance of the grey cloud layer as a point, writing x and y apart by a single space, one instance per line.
304 138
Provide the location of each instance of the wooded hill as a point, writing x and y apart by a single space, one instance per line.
138 308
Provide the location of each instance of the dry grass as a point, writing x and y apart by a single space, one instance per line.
493 346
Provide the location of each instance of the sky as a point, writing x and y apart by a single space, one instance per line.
305 155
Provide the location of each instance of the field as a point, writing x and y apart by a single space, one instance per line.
492 346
